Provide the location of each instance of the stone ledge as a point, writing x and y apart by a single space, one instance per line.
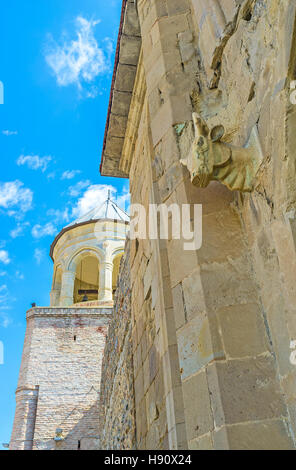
125 69
69 312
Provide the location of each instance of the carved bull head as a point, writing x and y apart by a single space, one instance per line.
200 162
210 159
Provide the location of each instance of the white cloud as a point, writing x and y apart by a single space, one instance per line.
81 59
59 215
96 195
3 273
14 193
77 189
39 231
4 257
34 162
19 275
70 174
19 230
51 176
6 300
8 133
6 321
123 199
38 255
4 305
93 197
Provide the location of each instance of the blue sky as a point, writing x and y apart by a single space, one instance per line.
56 61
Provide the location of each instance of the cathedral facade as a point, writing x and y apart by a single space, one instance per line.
201 113
199 352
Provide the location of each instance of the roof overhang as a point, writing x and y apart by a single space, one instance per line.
124 74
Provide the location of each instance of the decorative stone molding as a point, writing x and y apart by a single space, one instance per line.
67 290
125 69
210 159
101 310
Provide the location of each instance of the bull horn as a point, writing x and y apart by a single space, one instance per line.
200 126
217 133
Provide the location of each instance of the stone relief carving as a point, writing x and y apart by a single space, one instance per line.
210 159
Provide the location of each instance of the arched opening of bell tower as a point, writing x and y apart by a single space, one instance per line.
87 279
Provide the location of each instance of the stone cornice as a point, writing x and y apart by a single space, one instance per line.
125 69
102 312
134 117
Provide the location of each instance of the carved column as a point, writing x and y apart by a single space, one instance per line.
25 418
105 286
67 290
54 297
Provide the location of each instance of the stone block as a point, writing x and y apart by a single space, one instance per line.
198 345
125 78
171 366
265 435
180 270
117 126
131 26
243 330
228 283
113 147
129 50
245 390
179 307
149 12
121 103
201 443
193 295
139 387
170 181
177 7
222 237
153 363
198 413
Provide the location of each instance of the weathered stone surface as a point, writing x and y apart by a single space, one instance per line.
267 435
117 406
196 345
62 355
198 412
245 390
202 443
243 330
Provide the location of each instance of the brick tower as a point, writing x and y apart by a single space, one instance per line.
57 403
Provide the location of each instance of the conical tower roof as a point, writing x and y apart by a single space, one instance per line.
106 210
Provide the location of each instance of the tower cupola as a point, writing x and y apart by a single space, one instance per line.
86 256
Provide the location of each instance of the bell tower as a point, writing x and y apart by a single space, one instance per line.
57 398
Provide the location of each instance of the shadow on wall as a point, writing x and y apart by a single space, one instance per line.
83 436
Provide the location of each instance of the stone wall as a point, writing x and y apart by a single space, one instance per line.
211 328
117 409
244 84
59 380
